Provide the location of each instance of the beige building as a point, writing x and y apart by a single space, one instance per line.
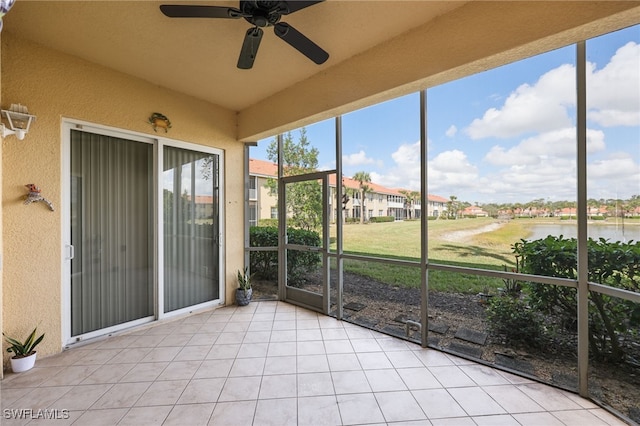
123 247
379 201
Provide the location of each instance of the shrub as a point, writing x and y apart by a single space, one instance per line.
265 263
614 264
516 322
268 222
380 219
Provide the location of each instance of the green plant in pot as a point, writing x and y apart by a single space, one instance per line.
24 357
244 291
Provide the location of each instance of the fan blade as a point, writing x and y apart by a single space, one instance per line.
295 5
190 11
250 48
302 44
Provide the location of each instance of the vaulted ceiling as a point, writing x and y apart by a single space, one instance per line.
378 49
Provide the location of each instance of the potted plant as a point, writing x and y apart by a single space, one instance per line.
25 353
244 291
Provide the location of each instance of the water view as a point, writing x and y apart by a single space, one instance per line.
611 232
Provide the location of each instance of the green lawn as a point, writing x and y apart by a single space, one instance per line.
451 242
401 240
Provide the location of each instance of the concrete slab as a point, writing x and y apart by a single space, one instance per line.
515 364
439 328
465 349
473 336
354 306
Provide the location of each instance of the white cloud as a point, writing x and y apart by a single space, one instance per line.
536 149
537 108
358 159
554 178
613 96
405 171
618 166
614 91
543 163
450 172
616 176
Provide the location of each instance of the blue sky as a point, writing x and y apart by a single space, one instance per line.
507 134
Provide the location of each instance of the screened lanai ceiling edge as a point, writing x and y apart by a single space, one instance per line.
350 86
377 52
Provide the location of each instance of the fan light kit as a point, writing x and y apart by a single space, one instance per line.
260 14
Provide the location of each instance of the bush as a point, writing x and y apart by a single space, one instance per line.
268 222
380 219
265 263
614 264
516 322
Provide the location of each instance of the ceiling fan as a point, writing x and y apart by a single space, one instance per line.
260 14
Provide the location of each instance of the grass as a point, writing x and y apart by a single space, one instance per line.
401 240
469 247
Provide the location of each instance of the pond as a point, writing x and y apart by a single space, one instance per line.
611 232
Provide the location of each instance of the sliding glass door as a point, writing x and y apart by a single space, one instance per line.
142 231
112 231
191 217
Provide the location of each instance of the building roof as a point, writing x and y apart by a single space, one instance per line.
264 168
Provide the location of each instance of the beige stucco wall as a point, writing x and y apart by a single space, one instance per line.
265 199
56 86
1 250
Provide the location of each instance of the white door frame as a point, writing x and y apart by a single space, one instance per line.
67 249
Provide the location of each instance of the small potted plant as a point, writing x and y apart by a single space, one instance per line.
24 357
244 291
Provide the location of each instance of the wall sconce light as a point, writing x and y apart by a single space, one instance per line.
19 121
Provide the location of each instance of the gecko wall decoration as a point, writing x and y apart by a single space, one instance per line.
35 196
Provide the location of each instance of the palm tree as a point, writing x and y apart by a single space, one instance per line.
363 178
414 197
452 207
410 199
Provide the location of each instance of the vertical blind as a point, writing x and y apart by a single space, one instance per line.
191 222
111 231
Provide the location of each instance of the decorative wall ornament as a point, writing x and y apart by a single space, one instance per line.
158 120
35 196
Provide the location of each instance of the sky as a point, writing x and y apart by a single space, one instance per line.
505 135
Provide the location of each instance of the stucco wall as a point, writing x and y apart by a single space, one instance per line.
1 250
55 86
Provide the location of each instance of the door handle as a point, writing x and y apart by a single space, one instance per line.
72 251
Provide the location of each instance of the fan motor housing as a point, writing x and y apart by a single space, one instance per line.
262 13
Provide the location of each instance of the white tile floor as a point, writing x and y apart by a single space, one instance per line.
271 363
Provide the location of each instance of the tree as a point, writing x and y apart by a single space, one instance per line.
452 207
411 197
303 199
363 178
